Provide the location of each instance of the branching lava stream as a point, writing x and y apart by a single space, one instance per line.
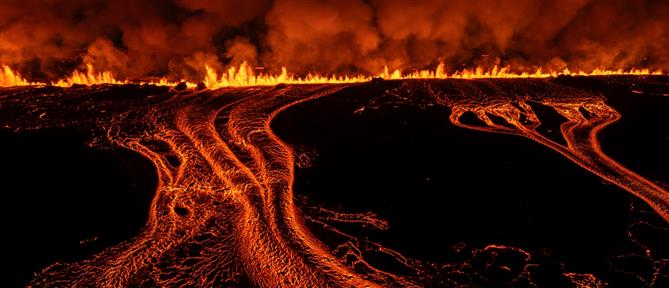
224 211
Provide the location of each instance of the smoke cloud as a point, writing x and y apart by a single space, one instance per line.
136 39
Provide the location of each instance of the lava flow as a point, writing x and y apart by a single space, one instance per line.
585 118
224 210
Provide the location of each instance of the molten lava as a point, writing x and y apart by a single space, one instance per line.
245 76
9 78
90 77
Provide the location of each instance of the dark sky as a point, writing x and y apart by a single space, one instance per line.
136 38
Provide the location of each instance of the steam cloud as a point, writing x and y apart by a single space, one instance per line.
136 39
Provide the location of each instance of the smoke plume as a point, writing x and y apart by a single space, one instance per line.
136 39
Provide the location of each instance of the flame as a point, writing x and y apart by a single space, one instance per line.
91 77
166 82
245 75
88 78
9 78
505 72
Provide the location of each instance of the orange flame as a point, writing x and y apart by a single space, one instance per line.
88 78
244 75
497 72
9 78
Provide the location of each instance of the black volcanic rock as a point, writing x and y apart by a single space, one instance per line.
181 86
472 209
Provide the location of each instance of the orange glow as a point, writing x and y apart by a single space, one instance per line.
580 134
9 78
88 78
245 76
505 72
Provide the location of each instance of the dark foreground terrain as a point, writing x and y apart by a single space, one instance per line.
147 186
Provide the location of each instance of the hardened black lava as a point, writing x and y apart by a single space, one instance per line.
556 182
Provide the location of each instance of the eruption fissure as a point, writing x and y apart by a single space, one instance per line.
245 76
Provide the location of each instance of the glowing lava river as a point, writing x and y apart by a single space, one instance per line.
225 211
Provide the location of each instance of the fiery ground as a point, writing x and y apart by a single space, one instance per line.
224 211
245 75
